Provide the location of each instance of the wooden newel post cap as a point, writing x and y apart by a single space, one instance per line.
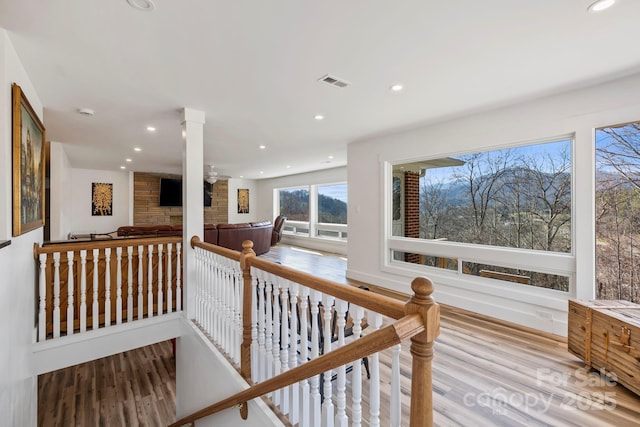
247 246
422 289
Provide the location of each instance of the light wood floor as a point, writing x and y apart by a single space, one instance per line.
485 373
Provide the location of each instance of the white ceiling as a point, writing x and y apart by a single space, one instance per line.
252 67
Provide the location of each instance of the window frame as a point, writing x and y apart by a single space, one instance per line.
557 263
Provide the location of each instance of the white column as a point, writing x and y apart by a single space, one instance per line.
192 202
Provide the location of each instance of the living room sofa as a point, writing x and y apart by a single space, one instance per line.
226 235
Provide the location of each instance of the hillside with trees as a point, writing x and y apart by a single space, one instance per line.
618 212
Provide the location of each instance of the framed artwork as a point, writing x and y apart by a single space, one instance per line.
101 199
28 165
243 200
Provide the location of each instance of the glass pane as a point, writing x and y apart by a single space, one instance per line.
517 197
294 203
332 204
618 212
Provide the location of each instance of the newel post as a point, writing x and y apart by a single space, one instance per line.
247 312
422 351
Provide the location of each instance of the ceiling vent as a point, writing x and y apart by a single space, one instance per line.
333 81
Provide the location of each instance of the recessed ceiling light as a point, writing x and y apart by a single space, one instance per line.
241 176
138 149
86 111
122 167
318 117
145 5
396 87
151 128
288 166
128 160
600 5
330 157
261 172
262 146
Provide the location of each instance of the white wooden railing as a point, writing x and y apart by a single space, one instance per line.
84 286
295 318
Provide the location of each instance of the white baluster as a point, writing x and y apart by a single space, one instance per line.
396 412
42 288
212 305
70 287
107 287
341 380
160 282
327 404
357 313
294 412
169 279
316 398
284 342
56 294
140 282
83 290
254 329
118 285
239 310
268 326
375 320
150 281
304 355
276 335
129 283
95 308
262 361
178 278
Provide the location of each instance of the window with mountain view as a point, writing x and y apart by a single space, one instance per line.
516 197
617 213
294 203
327 220
332 204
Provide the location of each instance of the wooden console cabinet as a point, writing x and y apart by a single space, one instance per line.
606 335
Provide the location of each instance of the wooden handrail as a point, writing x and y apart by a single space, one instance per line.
379 303
229 253
100 244
382 339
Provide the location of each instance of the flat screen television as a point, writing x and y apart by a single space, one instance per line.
171 192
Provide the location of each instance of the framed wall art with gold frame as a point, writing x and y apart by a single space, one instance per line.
28 165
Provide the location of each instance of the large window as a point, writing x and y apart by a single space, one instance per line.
315 210
517 198
618 212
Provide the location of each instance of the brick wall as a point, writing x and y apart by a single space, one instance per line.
412 211
146 202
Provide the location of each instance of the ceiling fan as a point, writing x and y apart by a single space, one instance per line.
212 176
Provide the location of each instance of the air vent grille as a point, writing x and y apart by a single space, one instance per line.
333 81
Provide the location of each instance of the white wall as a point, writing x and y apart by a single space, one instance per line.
81 219
60 192
204 377
253 215
266 189
18 384
576 112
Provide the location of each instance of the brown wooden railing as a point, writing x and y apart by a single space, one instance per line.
107 282
269 283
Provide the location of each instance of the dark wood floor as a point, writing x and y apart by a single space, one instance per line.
485 372
135 388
